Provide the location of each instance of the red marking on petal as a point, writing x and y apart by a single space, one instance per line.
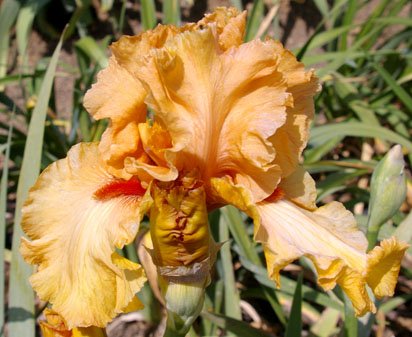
118 188
277 195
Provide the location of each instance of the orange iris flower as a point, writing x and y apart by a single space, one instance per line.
198 120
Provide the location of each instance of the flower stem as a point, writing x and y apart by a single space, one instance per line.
172 333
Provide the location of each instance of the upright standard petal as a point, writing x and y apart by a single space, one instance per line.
290 140
220 107
329 237
76 215
230 25
119 96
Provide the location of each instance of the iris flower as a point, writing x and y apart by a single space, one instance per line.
198 120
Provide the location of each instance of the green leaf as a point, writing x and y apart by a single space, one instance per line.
395 20
231 294
288 286
238 229
328 36
404 230
239 328
350 323
322 6
25 22
8 13
254 19
322 134
148 14
3 209
248 252
397 89
89 46
345 55
294 328
171 12
21 297
326 326
237 4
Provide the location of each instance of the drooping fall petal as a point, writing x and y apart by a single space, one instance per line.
74 231
329 237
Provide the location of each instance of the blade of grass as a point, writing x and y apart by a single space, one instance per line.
254 19
8 13
239 328
25 22
148 14
348 55
248 252
322 134
238 230
350 323
348 18
328 36
21 297
237 4
294 328
3 209
288 286
322 6
171 12
326 325
404 230
231 295
396 88
89 46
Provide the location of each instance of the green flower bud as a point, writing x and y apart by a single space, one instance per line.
183 289
388 191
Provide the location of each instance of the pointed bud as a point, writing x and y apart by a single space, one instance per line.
183 289
388 191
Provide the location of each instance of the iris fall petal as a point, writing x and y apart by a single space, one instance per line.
329 237
74 236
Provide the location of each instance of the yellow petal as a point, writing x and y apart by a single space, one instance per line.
119 96
130 50
291 138
329 237
300 188
156 142
74 235
230 26
55 326
220 108
383 266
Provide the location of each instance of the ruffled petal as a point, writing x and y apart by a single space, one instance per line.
383 266
55 326
219 107
300 188
329 237
230 26
119 96
130 51
76 215
291 138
